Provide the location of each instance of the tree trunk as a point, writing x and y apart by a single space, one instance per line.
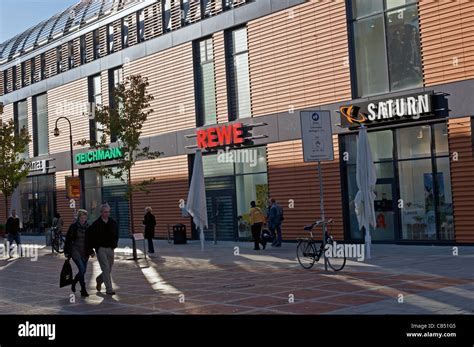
130 205
6 207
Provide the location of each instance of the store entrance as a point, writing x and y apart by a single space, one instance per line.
385 210
221 214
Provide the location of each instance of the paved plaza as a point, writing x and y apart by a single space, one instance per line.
232 278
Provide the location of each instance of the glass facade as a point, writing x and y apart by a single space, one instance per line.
96 190
37 195
20 110
40 124
238 74
205 82
413 191
230 187
386 46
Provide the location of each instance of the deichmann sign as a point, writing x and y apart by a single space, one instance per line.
99 155
395 109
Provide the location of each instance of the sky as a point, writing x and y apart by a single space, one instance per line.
19 15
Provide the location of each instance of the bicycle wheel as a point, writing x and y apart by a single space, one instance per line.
58 243
306 253
338 259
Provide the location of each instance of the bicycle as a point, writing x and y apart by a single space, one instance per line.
309 250
57 240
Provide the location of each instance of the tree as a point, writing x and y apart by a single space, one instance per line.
13 164
124 120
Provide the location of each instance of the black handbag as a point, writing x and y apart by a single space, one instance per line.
66 275
267 235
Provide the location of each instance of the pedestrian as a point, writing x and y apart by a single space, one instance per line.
12 229
257 218
275 218
58 222
104 238
150 223
78 247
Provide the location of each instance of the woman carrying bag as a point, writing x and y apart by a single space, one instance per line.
79 248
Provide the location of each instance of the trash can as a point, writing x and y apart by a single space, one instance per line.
179 234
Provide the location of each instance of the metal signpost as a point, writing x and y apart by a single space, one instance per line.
316 135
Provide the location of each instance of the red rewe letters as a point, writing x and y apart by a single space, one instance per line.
225 135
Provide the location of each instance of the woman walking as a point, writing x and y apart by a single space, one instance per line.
257 218
78 247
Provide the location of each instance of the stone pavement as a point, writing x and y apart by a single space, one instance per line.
182 279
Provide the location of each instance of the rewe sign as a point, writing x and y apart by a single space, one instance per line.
226 135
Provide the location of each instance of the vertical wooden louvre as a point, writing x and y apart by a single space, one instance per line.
171 185
103 41
117 35
71 100
1 82
298 58
64 57
89 47
27 66
9 86
18 77
291 179
462 184
447 40
172 88
77 52
212 7
175 14
62 202
220 72
132 29
29 110
37 68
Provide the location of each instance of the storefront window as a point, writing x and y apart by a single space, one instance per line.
422 179
414 142
21 119
386 46
41 134
37 202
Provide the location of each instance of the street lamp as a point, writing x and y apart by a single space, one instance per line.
56 134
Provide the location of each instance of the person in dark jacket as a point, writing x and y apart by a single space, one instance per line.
150 223
78 247
12 229
104 236
275 218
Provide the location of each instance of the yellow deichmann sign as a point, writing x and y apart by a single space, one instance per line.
99 155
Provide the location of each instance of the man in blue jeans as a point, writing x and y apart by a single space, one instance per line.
12 229
275 218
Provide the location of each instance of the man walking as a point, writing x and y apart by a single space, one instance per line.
104 234
150 223
275 218
12 229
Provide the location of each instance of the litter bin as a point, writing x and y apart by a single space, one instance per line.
179 234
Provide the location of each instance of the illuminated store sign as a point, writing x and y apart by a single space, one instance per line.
395 109
99 155
226 135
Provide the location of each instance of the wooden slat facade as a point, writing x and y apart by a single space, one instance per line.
77 51
89 47
153 25
462 183
298 58
1 82
18 77
290 178
7 114
117 35
50 65
132 29
37 68
29 106
9 85
171 185
447 40
172 87
27 66
70 100
221 79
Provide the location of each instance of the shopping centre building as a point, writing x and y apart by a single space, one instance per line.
403 68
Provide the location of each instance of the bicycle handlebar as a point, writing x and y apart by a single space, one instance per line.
319 222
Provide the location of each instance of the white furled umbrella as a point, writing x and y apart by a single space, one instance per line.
15 204
196 204
366 180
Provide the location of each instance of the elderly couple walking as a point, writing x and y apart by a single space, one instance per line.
81 241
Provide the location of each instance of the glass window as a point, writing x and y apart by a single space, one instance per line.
41 125
381 143
14 77
414 142
384 170
365 7
403 41
43 66
206 83
96 44
369 41
95 96
70 52
251 188
110 38
124 32
83 49
59 66
441 138
239 83
418 196
382 36
23 75
445 199
21 120
212 166
254 160
32 70
141 25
